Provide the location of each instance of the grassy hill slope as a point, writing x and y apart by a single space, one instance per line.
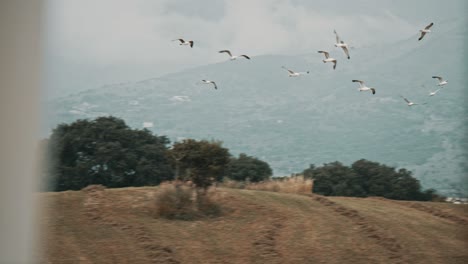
118 226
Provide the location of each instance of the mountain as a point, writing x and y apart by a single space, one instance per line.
316 118
119 226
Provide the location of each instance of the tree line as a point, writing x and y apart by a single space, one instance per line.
367 178
108 152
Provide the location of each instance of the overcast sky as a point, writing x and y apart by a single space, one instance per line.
90 43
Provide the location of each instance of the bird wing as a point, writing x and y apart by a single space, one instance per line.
422 35
181 40
324 52
226 51
245 56
429 26
337 37
215 86
191 43
406 100
438 77
334 64
361 83
346 51
291 72
373 90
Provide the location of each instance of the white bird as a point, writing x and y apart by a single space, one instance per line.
327 58
425 30
341 44
442 82
433 93
409 102
363 87
183 42
293 73
208 82
233 57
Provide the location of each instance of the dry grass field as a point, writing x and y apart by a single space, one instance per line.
119 226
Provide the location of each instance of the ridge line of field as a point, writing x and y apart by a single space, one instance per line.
422 208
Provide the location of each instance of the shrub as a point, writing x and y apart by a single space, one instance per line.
228 183
182 202
294 184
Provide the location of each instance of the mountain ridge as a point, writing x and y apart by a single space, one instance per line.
315 118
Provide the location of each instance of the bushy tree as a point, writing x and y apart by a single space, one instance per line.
202 162
376 178
366 178
106 151
309 172
245 167
336 179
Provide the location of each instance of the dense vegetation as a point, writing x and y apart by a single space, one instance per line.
106 151
366 178
248 168
202 162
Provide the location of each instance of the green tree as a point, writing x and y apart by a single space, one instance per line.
202 162
309 172
376 178
336 179
245 167
406 187
367 178
106 151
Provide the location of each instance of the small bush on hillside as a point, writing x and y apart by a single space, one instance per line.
182 202
295 184
228 183
93 188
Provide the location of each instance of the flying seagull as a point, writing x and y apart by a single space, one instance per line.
233 57
183 42
293 73
409 102
425 30
363 87
433 93
341 44
208 82
442 82
327 58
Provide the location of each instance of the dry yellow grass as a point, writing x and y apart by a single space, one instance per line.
294 184
118 226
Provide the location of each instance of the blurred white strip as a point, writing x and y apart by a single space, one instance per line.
19 121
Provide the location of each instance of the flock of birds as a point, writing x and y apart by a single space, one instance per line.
339 43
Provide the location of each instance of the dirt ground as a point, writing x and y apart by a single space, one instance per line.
118 226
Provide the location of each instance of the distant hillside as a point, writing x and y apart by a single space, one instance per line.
117 226
316 118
